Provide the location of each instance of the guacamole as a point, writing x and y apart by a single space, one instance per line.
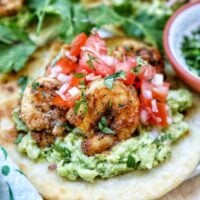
151 147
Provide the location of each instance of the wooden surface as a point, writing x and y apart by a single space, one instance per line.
189 190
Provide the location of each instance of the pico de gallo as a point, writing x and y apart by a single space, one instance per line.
88 58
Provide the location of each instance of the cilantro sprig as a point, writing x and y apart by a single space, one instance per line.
90 61
80 103
109 80
103 126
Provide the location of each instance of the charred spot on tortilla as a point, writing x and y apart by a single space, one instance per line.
10 7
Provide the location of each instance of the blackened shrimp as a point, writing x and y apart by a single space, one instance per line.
37 112
120 107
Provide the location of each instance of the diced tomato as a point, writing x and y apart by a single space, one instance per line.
59 102
77 43
146 95
97 44
94 59
130 78
162 114
147 72
160 92
149 97
66 65
67 98
126 66
75 81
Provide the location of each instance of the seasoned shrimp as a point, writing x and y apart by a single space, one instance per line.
9 7
120 106
37 112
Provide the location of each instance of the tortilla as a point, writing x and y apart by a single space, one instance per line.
137 185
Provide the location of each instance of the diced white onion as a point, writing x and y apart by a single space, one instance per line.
158 119
64 78
169 120
55 70
74 91
61 95
153 133
143 116
92 77
68 55
148 94
161 90
64 88
158 79
154 106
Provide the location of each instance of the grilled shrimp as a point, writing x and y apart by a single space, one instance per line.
38 113
9 7
151 55
120 106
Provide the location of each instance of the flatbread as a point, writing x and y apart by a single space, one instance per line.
138 185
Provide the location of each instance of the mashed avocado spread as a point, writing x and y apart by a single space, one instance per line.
151 147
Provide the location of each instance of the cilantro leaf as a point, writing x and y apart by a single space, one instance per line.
81 102
16 48
79 75
35 85
20 125
131 161
22 82
90 61
19 138
108 81
104 15
103 126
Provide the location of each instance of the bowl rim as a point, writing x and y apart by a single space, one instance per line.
181 70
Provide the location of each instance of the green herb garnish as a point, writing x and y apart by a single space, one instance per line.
35 85
65 152
191 51
81 102
19 138
131 161
103 126
22 82
108 81
79 75
90 61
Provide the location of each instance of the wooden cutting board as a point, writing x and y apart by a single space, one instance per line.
189 190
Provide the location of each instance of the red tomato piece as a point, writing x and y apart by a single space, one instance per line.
160 92
94 59
147 72
61 103
75 81
96 43
66 65
130 76
77 43
162 114
146 95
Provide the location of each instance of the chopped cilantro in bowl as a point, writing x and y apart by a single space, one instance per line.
191 51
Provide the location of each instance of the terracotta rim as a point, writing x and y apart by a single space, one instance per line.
183 73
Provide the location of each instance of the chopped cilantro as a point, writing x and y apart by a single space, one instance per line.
131 161
80 102
35 85
65 152
103 126
79 75
22 82
90 61
19 138
108 81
